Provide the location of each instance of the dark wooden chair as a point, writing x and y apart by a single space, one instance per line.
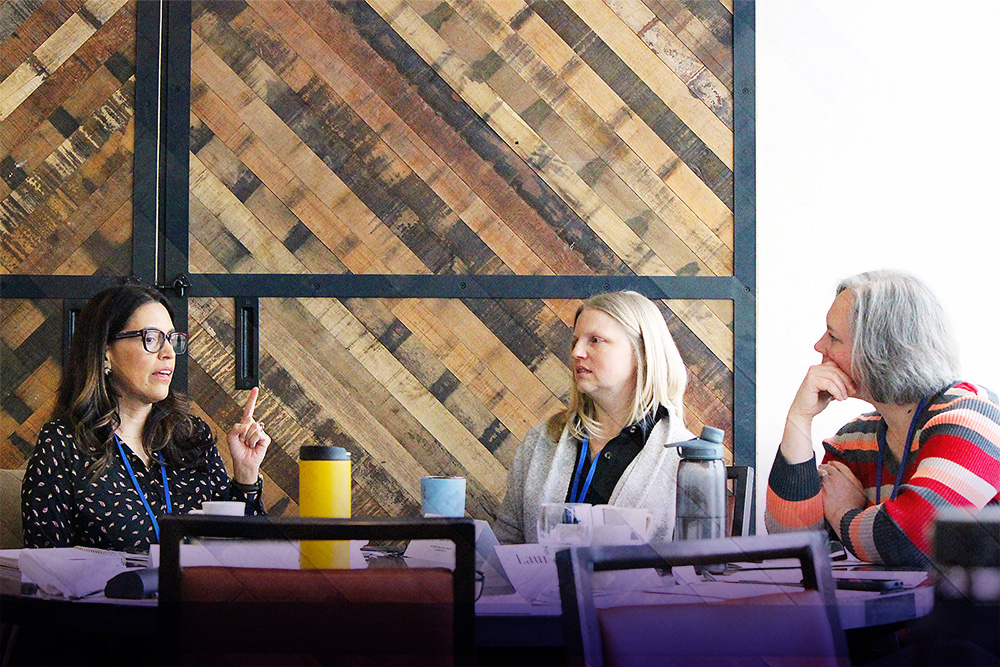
785 628
742 478
258 615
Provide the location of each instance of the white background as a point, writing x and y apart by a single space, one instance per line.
877 146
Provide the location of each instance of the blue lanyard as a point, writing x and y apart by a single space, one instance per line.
142 496
575 495
882 446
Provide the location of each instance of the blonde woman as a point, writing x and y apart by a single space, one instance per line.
608 446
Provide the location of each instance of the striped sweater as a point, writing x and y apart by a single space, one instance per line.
954 461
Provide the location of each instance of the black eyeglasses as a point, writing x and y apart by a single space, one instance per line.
153 339
480 580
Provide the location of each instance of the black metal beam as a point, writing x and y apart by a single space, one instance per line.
266 285
176 119
55 287
147 167
745 143
745 235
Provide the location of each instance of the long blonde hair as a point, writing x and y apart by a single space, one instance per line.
660 377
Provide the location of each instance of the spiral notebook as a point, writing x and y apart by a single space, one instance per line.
9 557
128 559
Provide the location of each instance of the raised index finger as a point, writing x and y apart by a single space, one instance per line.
251 404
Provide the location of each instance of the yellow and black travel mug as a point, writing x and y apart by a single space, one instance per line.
325 491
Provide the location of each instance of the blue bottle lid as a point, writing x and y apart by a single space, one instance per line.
708 446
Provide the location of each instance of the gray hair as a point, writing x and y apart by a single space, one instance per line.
903 348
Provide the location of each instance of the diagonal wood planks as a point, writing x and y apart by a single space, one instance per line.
437 137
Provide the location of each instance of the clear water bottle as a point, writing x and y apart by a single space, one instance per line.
701 488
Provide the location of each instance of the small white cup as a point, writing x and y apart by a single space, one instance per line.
224 507
622 523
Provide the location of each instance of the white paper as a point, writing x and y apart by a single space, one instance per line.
494 580
69 572
8 558
441 552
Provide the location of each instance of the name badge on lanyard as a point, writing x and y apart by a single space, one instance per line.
142 495
576 494
883 445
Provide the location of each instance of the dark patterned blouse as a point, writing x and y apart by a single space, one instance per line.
62 507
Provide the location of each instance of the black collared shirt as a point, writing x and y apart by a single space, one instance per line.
613 459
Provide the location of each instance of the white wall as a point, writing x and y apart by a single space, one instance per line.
877 146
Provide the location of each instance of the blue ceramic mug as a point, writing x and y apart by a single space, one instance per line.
442 496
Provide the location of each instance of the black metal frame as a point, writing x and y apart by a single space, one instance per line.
576 567
160 220
174 528
743 485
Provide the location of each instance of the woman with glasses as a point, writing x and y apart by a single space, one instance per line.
124 448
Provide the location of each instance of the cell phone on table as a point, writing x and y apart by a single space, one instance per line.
874 585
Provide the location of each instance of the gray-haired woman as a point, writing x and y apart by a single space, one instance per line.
933 441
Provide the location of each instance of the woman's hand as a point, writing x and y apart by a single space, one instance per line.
823 383
842 492
248 443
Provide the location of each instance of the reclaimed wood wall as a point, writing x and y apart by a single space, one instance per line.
67 84
436 137
67 91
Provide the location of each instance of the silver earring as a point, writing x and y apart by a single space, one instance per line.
107 370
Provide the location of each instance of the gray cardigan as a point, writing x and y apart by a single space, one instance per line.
542 470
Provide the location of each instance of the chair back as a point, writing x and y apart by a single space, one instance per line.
964 626
11 528
792 629
742 499
254 615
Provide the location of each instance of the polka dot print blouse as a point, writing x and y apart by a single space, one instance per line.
62 507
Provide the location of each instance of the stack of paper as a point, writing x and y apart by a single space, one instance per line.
70 572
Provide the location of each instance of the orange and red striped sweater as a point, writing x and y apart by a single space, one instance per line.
954 461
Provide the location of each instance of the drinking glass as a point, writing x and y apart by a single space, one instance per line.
565 525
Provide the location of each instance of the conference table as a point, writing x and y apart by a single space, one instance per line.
510 623
509 627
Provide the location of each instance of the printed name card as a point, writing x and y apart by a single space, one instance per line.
531 570
439 552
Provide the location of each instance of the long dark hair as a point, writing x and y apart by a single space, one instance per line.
90 405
